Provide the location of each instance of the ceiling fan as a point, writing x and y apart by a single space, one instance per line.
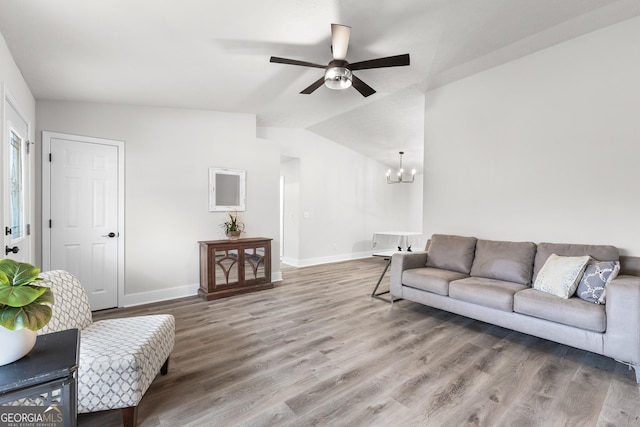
338 73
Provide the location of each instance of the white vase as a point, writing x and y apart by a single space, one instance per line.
15 344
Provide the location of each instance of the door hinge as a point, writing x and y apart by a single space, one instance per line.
50 223
28 229
29 143
7 231
50 157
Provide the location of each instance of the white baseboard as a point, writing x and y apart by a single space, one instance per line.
159 295
149 297
324 260
289 261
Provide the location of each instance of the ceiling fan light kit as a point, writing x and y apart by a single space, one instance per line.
337 76
338 73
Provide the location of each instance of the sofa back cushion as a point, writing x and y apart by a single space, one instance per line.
508 261
453 253
598 252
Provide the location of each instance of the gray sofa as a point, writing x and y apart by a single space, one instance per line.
492 281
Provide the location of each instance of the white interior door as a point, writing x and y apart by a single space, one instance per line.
16 230
83 222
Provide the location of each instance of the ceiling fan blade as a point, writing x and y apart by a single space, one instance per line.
389 61
340 41
364 89
295 62
315 85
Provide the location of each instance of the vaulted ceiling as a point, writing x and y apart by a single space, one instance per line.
214 55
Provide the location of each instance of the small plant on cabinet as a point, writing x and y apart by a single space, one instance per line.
232 227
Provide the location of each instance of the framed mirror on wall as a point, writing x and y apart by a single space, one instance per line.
227 189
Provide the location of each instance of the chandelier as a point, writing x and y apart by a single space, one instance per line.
400 178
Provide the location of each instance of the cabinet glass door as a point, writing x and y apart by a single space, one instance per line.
254 263
227 267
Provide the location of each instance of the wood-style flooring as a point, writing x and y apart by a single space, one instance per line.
318 350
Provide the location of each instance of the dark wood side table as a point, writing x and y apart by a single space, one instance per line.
51 365
231 267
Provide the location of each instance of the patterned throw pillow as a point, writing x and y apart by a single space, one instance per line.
596 276
560 275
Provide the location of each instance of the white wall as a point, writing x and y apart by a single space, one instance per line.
290 170
544 148
167 155
343 198
12 83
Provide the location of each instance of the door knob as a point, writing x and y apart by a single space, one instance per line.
112 235
8 250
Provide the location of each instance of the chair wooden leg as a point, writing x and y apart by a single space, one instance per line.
130 416
165 368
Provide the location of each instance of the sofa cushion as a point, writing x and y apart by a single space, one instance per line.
508 261
454 253
596 276
599 252
560 275
573 311
487 292
119 358
430 279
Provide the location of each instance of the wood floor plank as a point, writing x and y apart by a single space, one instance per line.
503 363
621 402
317 350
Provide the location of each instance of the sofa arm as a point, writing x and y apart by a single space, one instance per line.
622 339
401 262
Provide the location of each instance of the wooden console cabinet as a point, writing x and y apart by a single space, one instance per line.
231 267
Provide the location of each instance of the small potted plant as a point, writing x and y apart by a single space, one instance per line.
232 227
23 308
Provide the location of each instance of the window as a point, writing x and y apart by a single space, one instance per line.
16 182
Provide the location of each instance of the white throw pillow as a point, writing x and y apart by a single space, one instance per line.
560 275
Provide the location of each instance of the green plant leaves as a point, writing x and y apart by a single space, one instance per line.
19 296
18 273
4 280
21 301
33 316
232 224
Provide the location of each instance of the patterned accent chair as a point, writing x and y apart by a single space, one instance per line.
119 358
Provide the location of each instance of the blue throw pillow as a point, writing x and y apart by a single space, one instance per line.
596 276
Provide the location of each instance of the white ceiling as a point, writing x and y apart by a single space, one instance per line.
214 55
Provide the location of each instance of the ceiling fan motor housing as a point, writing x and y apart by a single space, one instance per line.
338 76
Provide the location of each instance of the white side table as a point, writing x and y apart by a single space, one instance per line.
399 239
